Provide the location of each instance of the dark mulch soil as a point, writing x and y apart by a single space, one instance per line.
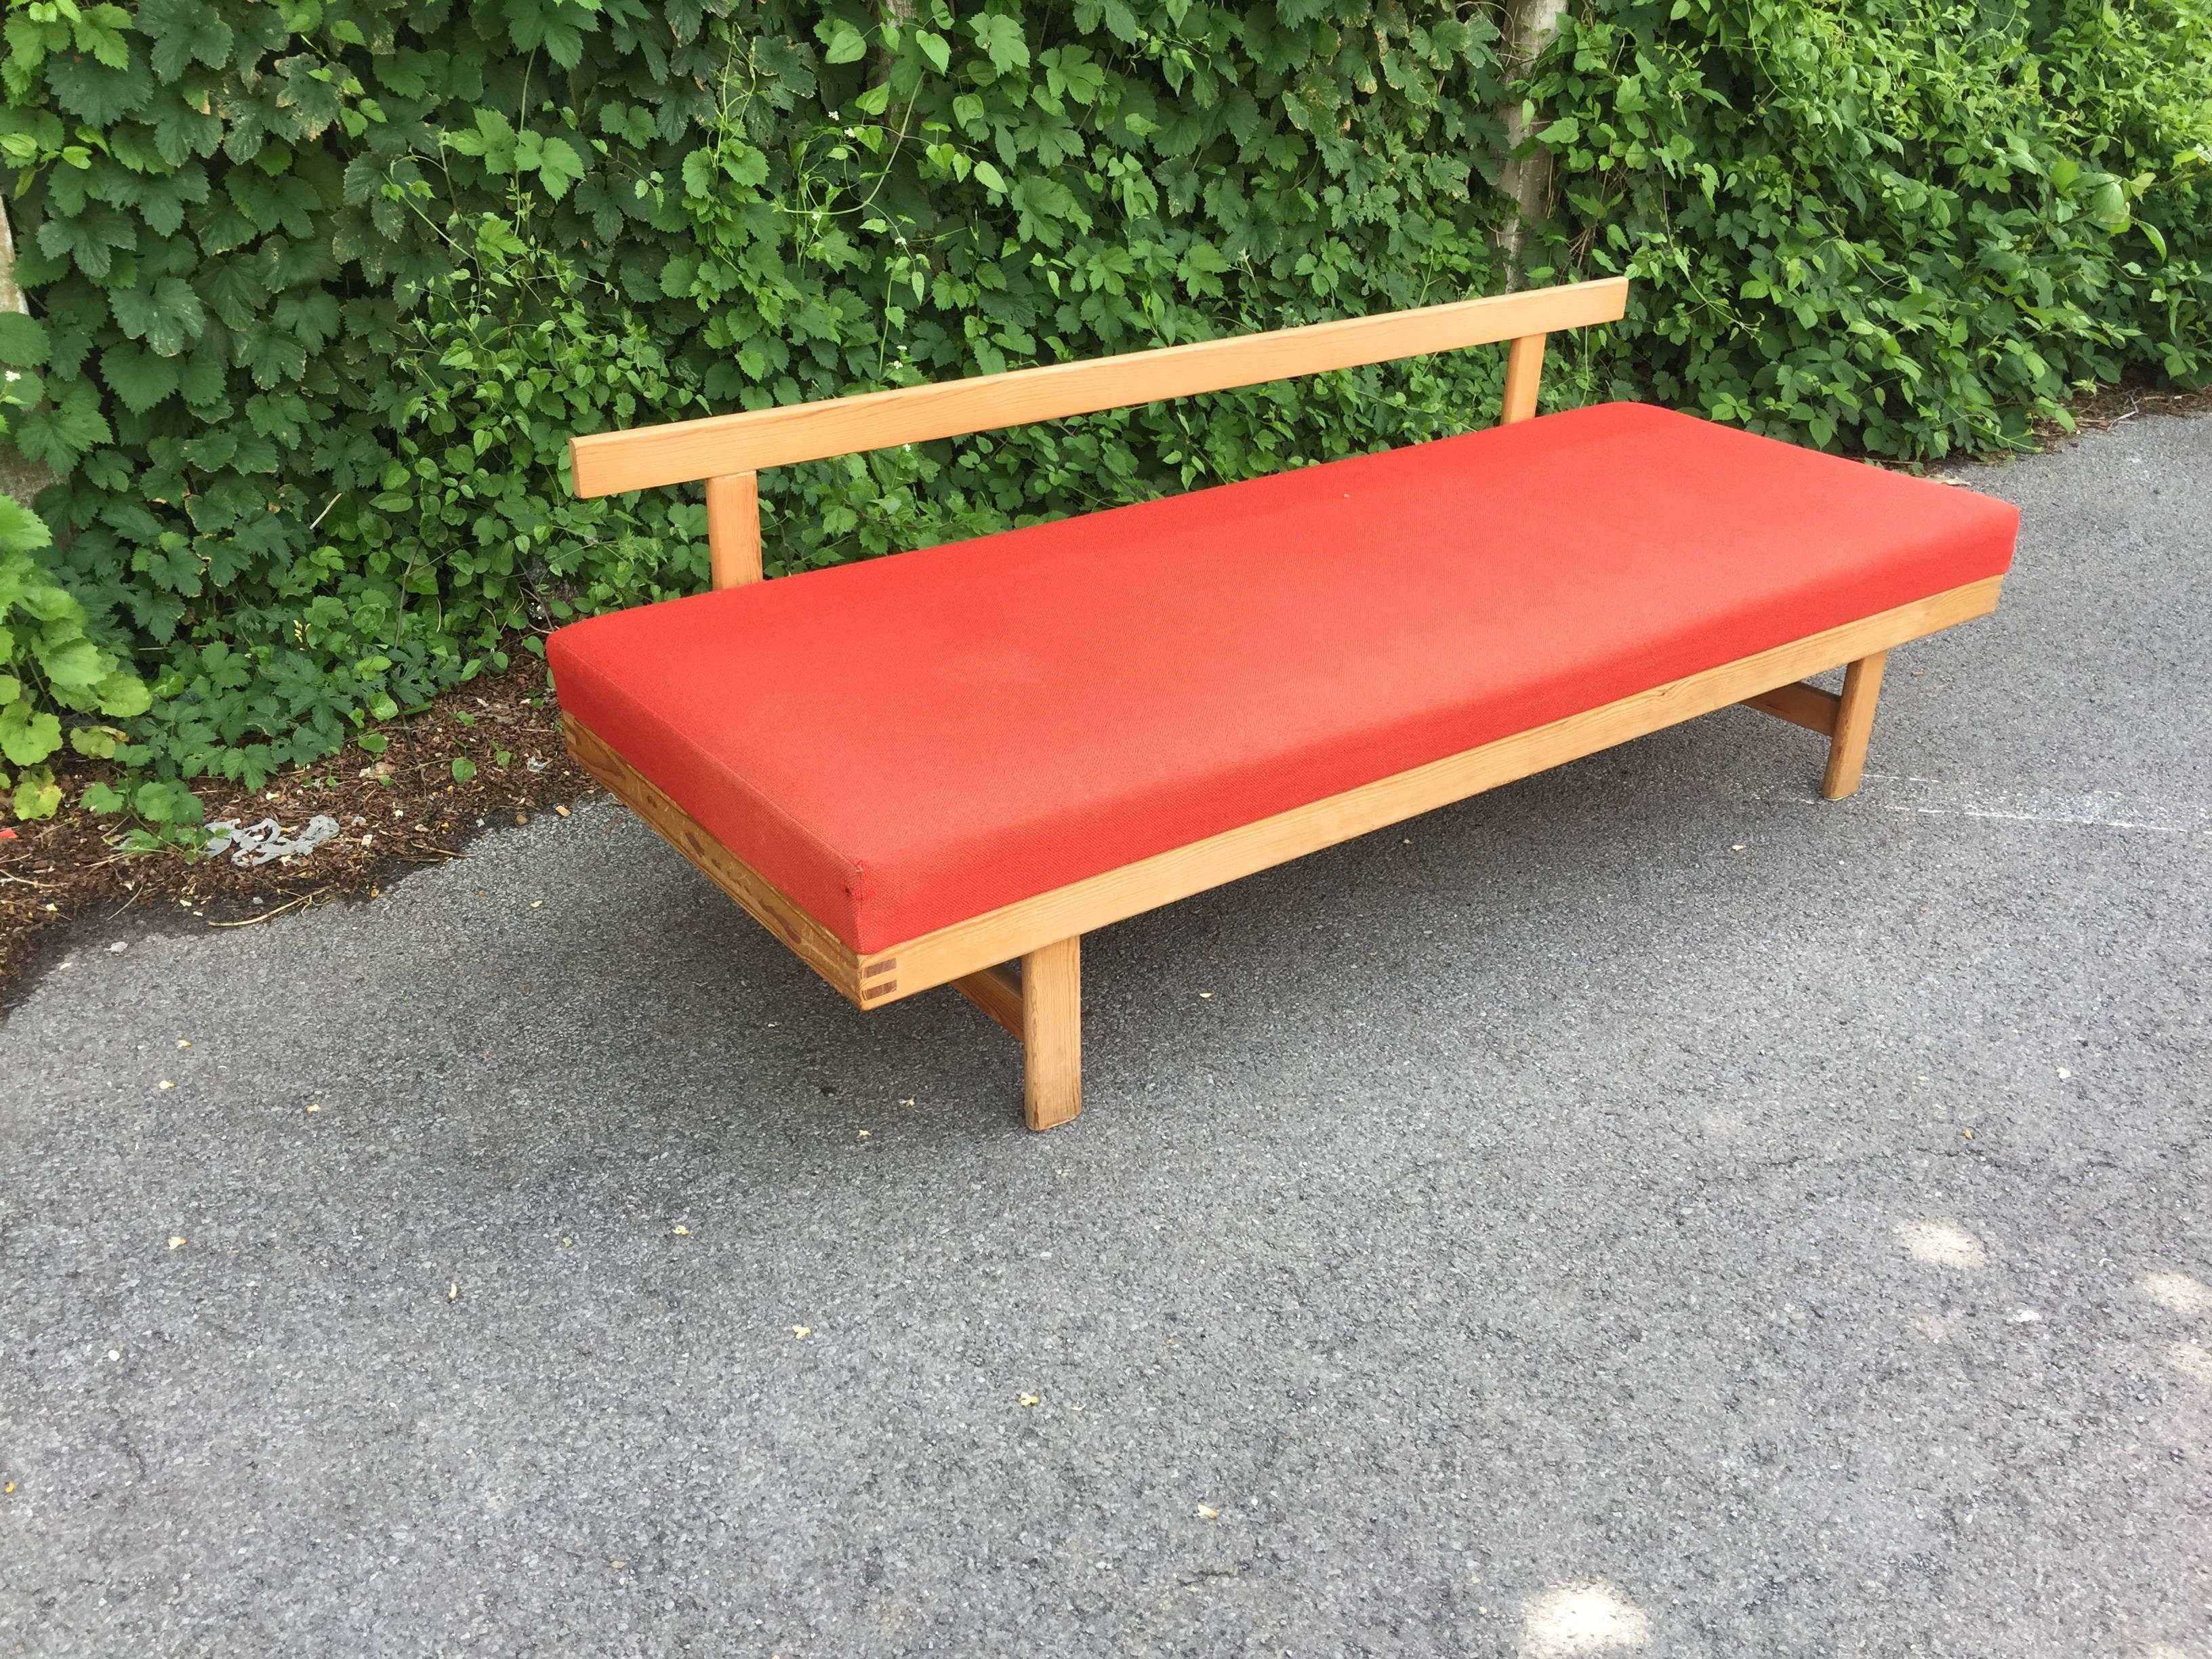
2108 406
396 811
403 809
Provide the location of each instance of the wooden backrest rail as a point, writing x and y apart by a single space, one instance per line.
728 450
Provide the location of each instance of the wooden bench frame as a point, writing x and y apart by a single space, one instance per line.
1042 1005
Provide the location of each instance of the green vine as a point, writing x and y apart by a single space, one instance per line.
1911 226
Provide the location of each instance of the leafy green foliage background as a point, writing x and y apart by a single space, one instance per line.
323 289
1907 226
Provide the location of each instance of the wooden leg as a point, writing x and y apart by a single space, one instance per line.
1854 722
1052 1033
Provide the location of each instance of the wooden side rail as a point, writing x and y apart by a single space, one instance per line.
729 450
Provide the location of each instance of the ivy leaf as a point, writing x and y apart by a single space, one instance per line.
121 694
554 161
935 48
162 202
306 101
273 358
310 318
102 798
183 31
534 23
1000 38
90 238
20 530
159 802
22 340
211 451
95 93
1072 70
233 290
168 319
841 43
180 131
72 664
492 140
140 377
363 177
27 736
99 30
37 795
66 429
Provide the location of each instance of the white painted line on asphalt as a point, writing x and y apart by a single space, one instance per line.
2100 809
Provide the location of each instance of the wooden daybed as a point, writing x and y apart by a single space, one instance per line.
921 770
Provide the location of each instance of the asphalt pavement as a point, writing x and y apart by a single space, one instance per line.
1644 1211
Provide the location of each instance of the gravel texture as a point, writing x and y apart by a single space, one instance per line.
1642 1211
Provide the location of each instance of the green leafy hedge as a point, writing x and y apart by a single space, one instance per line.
323 288
1911 226
326 287
47 663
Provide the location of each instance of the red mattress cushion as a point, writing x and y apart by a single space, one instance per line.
903 743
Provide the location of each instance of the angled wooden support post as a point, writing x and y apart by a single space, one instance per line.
1052 1033
1854 723
733 534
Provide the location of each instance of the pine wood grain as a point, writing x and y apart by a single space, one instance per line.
718 445
1800 704
1847 749
1052 1033
733 531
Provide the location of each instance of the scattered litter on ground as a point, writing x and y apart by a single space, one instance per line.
251 844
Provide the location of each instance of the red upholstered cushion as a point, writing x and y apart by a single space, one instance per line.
902 744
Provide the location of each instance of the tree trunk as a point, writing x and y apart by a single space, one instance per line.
18 477
1531 26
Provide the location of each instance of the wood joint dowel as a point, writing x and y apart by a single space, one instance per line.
996 992
733 533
